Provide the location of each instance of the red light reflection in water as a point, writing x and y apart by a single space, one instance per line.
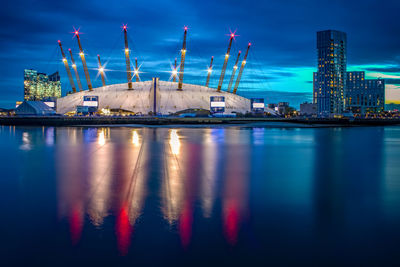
123 230
231 221
192 174
76 224
235 197
185 225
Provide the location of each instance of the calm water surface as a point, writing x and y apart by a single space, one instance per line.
180 196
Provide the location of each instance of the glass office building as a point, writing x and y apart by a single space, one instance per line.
330 80
364 95
39 86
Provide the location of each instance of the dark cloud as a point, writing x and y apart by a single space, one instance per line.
282 32
392 81
385 69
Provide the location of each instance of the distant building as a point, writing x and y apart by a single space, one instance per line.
308 109
34 108
282 108
364 95
330 80
38 86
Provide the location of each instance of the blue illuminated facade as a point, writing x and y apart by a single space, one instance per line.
330 80
257 105
217 104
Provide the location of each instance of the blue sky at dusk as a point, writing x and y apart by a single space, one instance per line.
283 36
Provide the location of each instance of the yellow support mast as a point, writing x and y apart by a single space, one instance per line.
174 72
136 70
241 70
221 78
85 68
65 61
78 80
101 70
209 72
182 66
233 73
127 59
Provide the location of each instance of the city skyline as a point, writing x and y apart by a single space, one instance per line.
283 53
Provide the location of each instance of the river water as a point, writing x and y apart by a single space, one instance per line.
199 196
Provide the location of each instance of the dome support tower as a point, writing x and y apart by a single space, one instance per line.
101 70
182 66
71 80
209 72
85 68
136 70
233 73
174 72
221 78
78 80
241 70
127 60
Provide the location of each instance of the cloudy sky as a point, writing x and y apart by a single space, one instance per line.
282 32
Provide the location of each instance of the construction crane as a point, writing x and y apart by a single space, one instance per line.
78 80
174 72
136 70
101 70
221 78
85 68
233 73
209 72
182 65
241 70
71 80
127 59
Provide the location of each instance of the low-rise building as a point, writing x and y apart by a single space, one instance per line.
308 109
364 95
34 108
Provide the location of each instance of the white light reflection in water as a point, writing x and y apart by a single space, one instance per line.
49 136
174 142
26 142
173 186
101 140
135 138
115 184
209 174
100 168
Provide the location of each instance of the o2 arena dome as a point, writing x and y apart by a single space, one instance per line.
154 96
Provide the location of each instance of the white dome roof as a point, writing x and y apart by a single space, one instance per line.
140 99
